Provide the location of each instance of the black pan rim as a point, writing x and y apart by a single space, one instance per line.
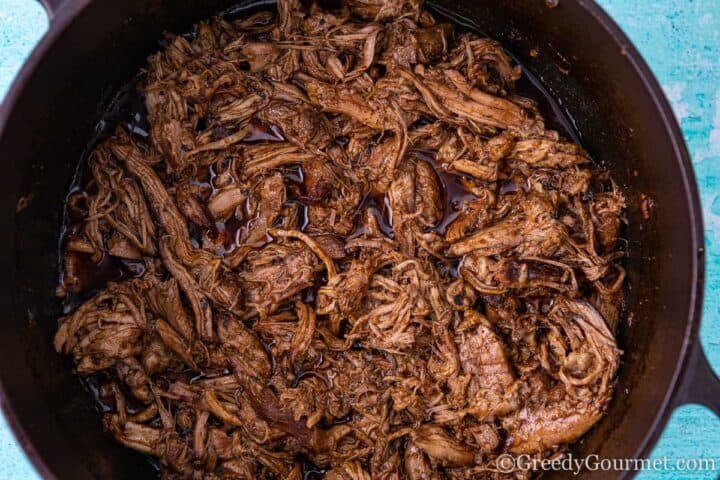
61 20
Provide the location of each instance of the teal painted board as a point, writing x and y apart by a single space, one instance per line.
681 42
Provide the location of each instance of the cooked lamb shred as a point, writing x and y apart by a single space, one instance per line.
344 242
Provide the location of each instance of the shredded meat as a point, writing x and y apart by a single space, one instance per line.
343 244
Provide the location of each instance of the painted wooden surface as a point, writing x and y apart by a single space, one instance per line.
681 42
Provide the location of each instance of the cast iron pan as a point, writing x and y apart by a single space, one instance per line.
583 59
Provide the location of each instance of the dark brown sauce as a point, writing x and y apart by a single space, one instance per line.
93 384
89 277
262 132
229 233
448 267
309 295
92 276
127 110
455 191
544 271
294 175
513 185
376 205
550 108
304 218
310 471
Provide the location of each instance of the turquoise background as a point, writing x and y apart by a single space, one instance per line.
681 42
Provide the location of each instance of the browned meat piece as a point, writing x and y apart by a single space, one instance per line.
104 330
402 203
379 10
262 158
357 42
530 231
438 445
299 124
240 110
117 211
417 465
331 199
251 359
483 358
428 194
134 435
276 273
344 294
606 210
118 246
449 96
344 101
485 435
501 237
317 182
333 245
466 153
585 367
485 64
157 358
160 200
268 200
406 44
549 427
242 468
548 153
568 182
530 275
382 161
224 202
170 133
259 55
348 471
289 13
340 238
307 321
191 202
210 279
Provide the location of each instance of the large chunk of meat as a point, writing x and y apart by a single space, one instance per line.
585 362
483 358
104 330
531 230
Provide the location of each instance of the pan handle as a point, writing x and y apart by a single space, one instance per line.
702 384
52 7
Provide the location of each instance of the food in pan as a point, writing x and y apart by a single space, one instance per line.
341 245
